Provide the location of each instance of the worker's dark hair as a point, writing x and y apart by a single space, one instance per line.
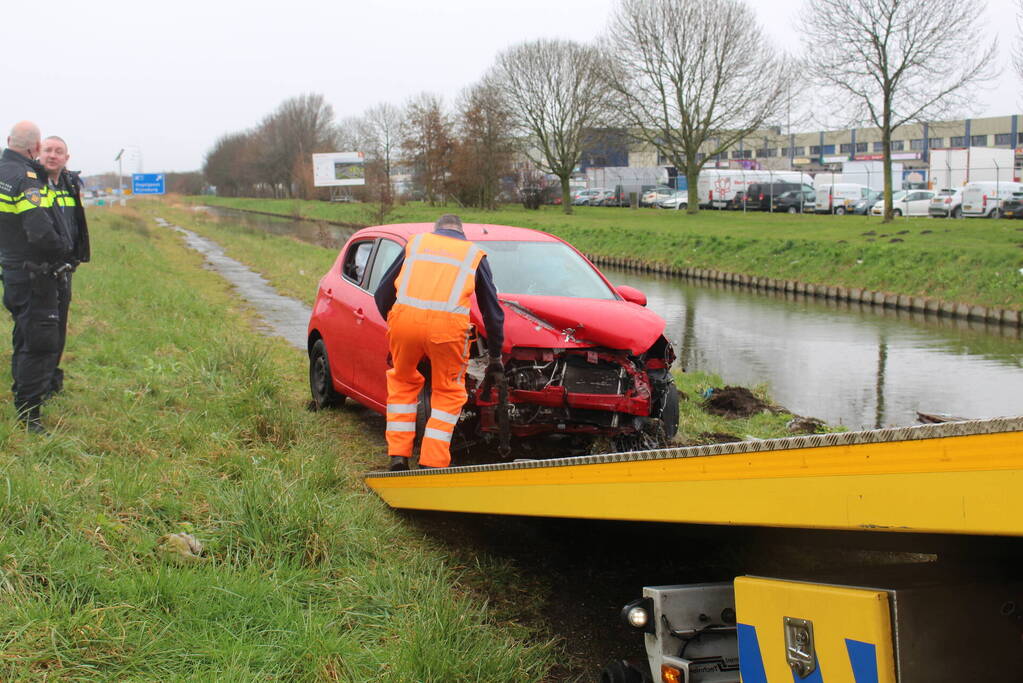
449 221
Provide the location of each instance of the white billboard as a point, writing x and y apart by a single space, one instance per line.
335 169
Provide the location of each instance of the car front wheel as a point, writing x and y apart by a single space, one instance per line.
793 209
840 211
897 213
995 213
321 385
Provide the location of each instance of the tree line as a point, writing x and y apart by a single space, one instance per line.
687 78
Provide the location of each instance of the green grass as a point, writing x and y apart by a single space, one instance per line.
178 417
294 268
971 261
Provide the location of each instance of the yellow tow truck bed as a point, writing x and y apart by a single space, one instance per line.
958 478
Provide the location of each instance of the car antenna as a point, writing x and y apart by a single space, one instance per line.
484 230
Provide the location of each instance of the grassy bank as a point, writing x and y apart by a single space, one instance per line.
295 267
178 418
969 261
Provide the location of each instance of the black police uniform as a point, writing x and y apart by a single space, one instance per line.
70 213
33 249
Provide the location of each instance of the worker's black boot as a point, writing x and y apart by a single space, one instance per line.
398 464
30 418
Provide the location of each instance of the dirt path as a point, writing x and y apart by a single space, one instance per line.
281 316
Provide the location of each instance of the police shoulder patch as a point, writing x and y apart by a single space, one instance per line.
33 196
31 174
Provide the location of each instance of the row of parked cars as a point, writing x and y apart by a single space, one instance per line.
979 199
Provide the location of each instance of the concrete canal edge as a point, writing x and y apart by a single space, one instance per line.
915 304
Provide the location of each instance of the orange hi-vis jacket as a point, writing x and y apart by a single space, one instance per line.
439 275
430 318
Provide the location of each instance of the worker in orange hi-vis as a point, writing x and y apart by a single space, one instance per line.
425 297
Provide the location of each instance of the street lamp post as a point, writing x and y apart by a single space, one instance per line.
120 177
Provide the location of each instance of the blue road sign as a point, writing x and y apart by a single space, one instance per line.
147 183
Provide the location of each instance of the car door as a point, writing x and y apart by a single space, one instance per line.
347 297
918 203
370 345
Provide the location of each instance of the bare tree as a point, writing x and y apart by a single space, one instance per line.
484 148
379 131
891 62
1017 44
555 90
692 75
427 144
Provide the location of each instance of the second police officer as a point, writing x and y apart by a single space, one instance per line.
34 250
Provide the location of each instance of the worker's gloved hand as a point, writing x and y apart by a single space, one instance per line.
495 369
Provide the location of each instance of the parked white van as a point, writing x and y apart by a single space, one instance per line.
984 199
839 198
717 187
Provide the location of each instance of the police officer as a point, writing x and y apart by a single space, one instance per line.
425 296
33 251
69 212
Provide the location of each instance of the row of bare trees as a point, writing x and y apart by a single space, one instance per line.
688 78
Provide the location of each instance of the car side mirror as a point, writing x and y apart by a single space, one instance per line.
631 294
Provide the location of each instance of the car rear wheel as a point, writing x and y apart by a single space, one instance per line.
995 213
321 385
793 209
957 212
840 211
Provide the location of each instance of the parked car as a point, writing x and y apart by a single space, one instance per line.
678 199
863 207
906 203
582 357
984 199
737 202
615 198
948 202
1013 206
761 196
795 201
839 198
586 197
655 195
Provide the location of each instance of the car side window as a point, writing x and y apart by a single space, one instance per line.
387 251
356 258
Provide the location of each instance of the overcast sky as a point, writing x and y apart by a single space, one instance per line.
170 77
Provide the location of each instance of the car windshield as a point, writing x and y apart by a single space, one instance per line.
545 269
901 194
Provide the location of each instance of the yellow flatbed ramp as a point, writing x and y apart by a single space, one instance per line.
958 478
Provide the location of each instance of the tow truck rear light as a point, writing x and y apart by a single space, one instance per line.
670 674
761 196
984 201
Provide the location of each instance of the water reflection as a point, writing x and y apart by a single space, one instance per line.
846 363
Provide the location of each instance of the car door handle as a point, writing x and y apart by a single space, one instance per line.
359 314
330 291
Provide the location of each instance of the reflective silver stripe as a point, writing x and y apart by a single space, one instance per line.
465 269
443 416
401 427
407 268
438 434
402 408
438 259
431 305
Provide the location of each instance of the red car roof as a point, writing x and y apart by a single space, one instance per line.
477 232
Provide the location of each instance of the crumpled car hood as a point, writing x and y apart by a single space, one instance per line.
566 323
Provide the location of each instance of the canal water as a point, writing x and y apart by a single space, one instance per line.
856 365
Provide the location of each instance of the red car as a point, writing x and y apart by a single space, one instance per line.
582 357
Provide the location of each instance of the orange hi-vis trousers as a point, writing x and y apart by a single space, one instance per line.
413 336
430 318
